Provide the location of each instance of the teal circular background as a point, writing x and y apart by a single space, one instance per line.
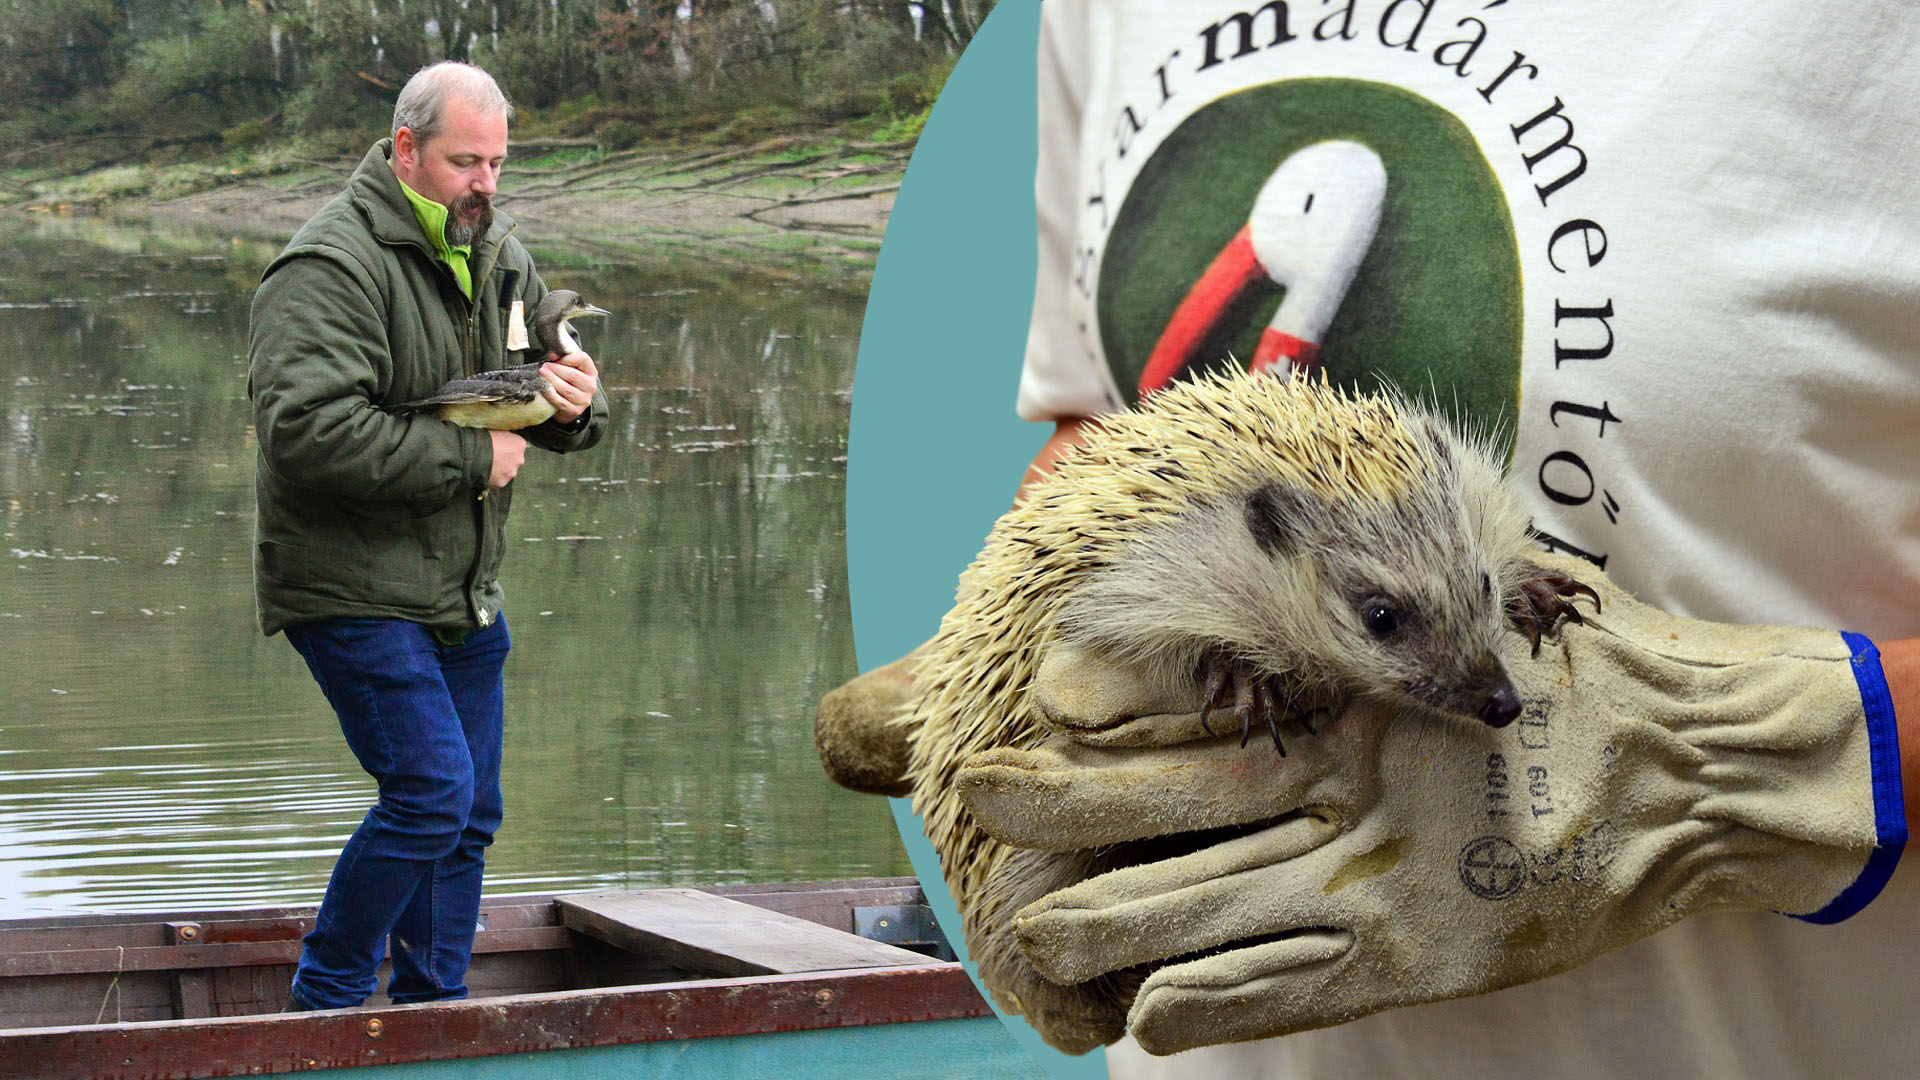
934 451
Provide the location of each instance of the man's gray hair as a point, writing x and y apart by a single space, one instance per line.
422 107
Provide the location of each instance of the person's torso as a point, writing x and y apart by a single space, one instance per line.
341 555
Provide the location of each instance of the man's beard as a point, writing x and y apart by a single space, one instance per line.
468 219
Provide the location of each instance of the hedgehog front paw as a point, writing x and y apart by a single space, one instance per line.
1543 599
1255 697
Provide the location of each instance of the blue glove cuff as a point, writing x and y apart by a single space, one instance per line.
1889 804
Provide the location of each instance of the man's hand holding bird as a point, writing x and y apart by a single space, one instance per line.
561 388
572 380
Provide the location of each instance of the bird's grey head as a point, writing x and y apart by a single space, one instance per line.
550 320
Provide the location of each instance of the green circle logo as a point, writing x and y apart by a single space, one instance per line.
1332 223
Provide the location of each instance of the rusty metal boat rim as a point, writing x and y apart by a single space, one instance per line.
568 1019
647 966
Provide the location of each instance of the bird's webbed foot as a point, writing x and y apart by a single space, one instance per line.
1255 697
1543 599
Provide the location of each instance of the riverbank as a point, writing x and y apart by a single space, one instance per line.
810 205
677 593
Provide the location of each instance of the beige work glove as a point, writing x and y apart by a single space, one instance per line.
855 729
863 733
1662 767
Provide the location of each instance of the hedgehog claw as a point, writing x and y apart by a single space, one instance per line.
1263 707
1246 702
1543 599
1255 698
1215 689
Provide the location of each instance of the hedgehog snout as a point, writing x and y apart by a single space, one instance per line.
1502 706
1486 692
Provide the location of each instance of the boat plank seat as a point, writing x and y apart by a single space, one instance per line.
829 903
700 931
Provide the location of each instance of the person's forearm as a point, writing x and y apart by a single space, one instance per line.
1900 660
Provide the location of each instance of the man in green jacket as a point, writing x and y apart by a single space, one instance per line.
379 537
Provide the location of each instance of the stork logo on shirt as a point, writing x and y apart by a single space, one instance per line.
1332 205
1326 223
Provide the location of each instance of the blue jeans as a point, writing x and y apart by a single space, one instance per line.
426 720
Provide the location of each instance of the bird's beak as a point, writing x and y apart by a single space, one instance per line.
589 309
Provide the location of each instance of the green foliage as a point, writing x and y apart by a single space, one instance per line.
540 70
903 128
201 82
570 156
248 133
620 134
335 101
57 50
752 125
914 91
89 82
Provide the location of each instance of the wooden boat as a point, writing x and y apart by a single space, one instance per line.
743 980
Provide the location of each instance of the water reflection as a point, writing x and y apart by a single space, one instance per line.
678 596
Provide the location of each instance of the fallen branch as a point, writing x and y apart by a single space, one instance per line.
857 193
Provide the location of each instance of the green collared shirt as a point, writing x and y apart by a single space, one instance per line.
433 221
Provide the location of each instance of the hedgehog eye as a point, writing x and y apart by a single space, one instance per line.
1380 618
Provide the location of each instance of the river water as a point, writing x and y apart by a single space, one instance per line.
678 595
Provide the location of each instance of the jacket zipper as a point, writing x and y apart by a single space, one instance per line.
467 349
473 306
481 546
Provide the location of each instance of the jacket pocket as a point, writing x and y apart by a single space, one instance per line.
387 577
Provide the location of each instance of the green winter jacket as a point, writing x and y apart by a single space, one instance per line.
360 512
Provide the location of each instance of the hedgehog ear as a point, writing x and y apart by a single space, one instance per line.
1276 518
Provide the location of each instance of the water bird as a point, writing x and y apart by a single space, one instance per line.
510 398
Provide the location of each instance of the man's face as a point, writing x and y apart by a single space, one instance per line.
458 168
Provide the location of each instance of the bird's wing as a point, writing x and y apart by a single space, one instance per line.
510 386
526 372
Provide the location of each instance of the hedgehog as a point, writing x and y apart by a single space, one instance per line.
1287 545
